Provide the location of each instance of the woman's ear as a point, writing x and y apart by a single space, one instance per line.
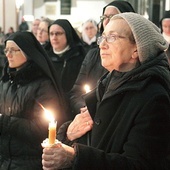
135 54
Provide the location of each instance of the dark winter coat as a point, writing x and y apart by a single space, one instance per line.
23 92
88 47
23 125
68 66
131 121
67 69
90 72
23 26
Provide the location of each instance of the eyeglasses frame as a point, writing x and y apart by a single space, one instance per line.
113 37
10 51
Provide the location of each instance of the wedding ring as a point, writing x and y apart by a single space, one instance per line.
87 123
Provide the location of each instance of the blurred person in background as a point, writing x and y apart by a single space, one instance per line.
2 39
67 53
42 33
35 25
24 25
2 36
10 31
2 46
89 34
165 29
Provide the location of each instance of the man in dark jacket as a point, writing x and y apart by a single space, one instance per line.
130 126
91 69
23 26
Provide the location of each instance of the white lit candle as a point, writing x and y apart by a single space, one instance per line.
87 88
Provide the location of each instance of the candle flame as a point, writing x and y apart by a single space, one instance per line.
48 114
87 88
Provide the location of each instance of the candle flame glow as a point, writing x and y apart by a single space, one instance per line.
87 88
48 114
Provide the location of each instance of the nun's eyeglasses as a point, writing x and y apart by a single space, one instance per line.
56 33
12 52
109 39
103 17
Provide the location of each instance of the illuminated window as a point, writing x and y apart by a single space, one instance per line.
65 7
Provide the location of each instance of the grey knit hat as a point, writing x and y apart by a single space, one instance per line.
148 37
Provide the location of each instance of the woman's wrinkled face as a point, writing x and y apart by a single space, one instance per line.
57 37
166 26
42 32
14 55
116 50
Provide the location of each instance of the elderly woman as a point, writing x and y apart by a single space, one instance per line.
130 108
89 34
91 69
28 85
42 33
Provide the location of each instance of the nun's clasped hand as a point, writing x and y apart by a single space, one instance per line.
58 156
81 124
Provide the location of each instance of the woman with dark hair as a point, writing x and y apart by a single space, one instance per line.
10 31
67 52
28 85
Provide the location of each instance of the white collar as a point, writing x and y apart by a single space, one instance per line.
61 52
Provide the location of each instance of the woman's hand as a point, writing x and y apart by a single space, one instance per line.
81 124
58 156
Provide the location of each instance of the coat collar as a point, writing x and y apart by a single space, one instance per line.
155 68
28 73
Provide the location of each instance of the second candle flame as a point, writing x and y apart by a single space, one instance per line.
87 88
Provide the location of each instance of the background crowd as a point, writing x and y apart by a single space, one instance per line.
124 59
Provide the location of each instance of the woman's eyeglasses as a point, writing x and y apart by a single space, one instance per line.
109 38
10 51
56 33
42 30
103 17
